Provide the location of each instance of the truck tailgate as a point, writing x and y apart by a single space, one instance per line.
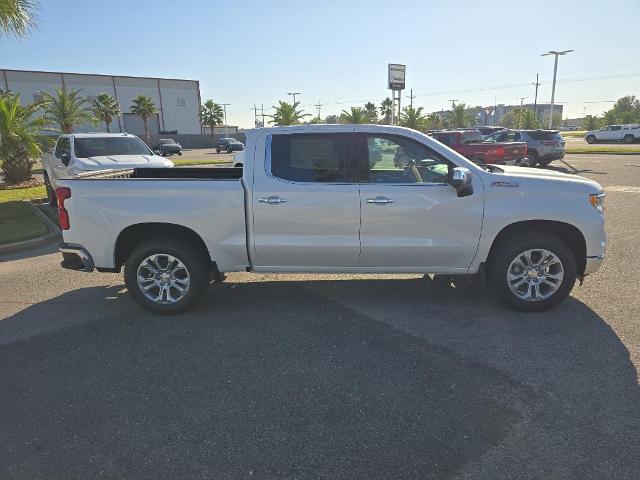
100 209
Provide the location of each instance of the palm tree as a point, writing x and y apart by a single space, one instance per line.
65 109
460 116
413 118
19 137
105 107
433 121
211 114
17 17
385 110
287 114
355 115
144 107
372 112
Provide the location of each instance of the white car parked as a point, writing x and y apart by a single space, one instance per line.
330 198
87 152
614 133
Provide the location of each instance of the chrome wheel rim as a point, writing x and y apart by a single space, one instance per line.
163 278
535 275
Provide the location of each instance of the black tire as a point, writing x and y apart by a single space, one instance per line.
534 158
238 165
180 153
189 253
591 139
51 194
629 139
228 149
509 249
217 150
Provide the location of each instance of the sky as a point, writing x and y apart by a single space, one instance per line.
333 52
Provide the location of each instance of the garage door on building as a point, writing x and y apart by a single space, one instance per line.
134 124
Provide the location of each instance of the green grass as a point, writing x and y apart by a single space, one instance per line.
186 163
14 194
605 149
19 222
574 134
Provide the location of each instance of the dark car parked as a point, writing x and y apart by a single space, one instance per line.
229 144
543 146
167 146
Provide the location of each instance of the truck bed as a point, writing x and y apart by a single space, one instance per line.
186 173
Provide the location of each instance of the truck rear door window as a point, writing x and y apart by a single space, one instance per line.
318 158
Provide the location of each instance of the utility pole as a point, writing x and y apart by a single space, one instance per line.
226 130
453 103
535 101
262 113
319 105
411 97
294 95
521 108
555 71
255 115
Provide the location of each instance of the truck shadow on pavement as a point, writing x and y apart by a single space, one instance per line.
368 378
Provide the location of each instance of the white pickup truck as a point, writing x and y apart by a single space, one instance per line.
614 133
77 153
329 198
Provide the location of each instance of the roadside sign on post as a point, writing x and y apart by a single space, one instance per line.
396 76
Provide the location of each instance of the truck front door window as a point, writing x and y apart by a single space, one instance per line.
394 159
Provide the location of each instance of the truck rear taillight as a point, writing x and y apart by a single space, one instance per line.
500 152
62 193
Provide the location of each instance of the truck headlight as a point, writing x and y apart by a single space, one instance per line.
597 200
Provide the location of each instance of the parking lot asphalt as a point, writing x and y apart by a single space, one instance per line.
326 376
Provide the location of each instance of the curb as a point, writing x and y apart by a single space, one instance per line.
602 153
53 233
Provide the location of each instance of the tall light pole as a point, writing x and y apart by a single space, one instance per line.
294 95
226 130
553 88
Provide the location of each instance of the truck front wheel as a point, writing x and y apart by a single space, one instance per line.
591 139
532 273
166 276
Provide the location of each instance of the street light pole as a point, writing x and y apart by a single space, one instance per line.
555 71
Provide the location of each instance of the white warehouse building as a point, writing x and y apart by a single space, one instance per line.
177 101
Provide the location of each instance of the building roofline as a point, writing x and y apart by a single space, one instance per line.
99 75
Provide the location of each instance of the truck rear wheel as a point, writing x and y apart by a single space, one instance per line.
166 276
629 139
532 273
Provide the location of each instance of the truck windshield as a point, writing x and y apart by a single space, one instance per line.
106 146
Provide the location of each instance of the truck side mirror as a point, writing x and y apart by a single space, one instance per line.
460 179
65 158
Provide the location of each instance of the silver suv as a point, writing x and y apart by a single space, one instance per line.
543 146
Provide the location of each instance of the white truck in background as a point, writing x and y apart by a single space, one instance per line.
614 133
330 198
78 153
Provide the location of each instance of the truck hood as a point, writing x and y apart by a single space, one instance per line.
522 173
122 161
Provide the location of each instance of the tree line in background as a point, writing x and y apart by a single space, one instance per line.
22 126
625 110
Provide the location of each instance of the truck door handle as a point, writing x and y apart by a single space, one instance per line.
272 200
380 200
